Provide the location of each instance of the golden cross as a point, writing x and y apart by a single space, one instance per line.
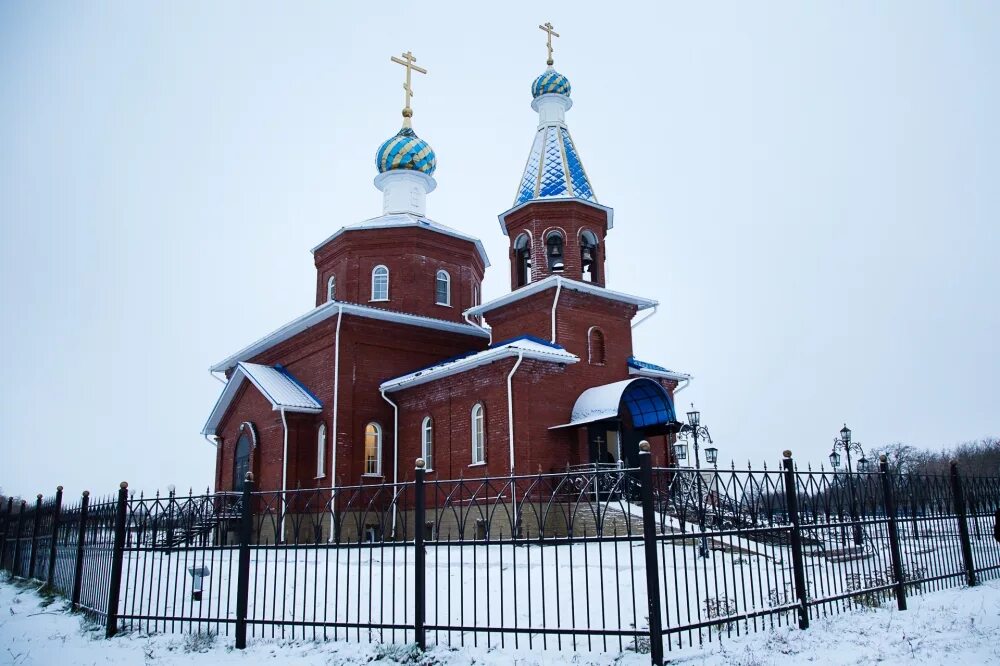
408 62
547 27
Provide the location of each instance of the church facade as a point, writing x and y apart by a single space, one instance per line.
401 360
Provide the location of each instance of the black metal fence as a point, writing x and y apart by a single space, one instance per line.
589 559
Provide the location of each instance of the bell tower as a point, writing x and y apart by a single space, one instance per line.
556 226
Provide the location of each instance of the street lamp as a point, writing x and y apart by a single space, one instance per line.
845 443
693 430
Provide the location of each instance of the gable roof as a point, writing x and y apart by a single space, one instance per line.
552 282
330 309
276 384
527 346
401 220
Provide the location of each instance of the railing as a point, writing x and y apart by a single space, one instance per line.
593 558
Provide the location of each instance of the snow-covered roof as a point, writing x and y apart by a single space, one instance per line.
550 283
276 384
647 401
330 309
528 346
645 369
400 220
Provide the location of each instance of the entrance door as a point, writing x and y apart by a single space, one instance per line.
602 438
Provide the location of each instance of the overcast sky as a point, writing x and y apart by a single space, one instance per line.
809 189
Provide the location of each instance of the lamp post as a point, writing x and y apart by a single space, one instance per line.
693 430
845 443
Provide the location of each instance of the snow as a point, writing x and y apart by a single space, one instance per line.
959 625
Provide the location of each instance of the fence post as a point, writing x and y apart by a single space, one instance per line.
649 544
243 571
6 531
56 513
798 563
15 566
81 536
963 524
117 556
889 501
34 536
419 556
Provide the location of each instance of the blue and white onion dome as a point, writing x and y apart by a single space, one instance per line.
406 150
549 82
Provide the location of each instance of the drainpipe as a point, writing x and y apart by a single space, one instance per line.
681 387
555 302
336 395
510 437
212 439
472 323
395 454
284 475
215 376
646 318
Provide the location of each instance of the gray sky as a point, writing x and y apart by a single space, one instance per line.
809 189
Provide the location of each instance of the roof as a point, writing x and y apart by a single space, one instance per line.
277 384
550 283
609 212
554 169
527 346
330 309
645 369
647 402
402 220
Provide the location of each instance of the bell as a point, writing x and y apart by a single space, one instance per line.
556 250
587 254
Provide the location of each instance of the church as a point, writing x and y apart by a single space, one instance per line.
400 359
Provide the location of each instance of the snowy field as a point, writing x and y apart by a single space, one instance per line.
952 626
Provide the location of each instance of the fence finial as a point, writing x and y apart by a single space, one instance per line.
86 493
787 453
249 476
38 496
123 485
883 458
420 463
59 488
644 446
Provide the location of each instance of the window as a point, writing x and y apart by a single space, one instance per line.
373 449
478 436
522 260
331 289
442 288
241 462
554 248
596 353
427 443
321 451
475 295
380 283
588 256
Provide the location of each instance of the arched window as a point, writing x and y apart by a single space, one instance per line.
596 351
478 435
442 288
321 451
380 283
241 461
427 443
475 295
331 289
588 256
554 250
522 259
373 449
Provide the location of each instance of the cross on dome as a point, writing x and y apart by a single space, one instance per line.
550 33
408 62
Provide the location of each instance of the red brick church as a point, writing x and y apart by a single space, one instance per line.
400 359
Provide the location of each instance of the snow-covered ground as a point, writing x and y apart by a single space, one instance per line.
952 626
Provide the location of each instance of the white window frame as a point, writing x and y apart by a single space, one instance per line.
443 275
427 443
331 288
321 451
377 469
375 273
478 419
